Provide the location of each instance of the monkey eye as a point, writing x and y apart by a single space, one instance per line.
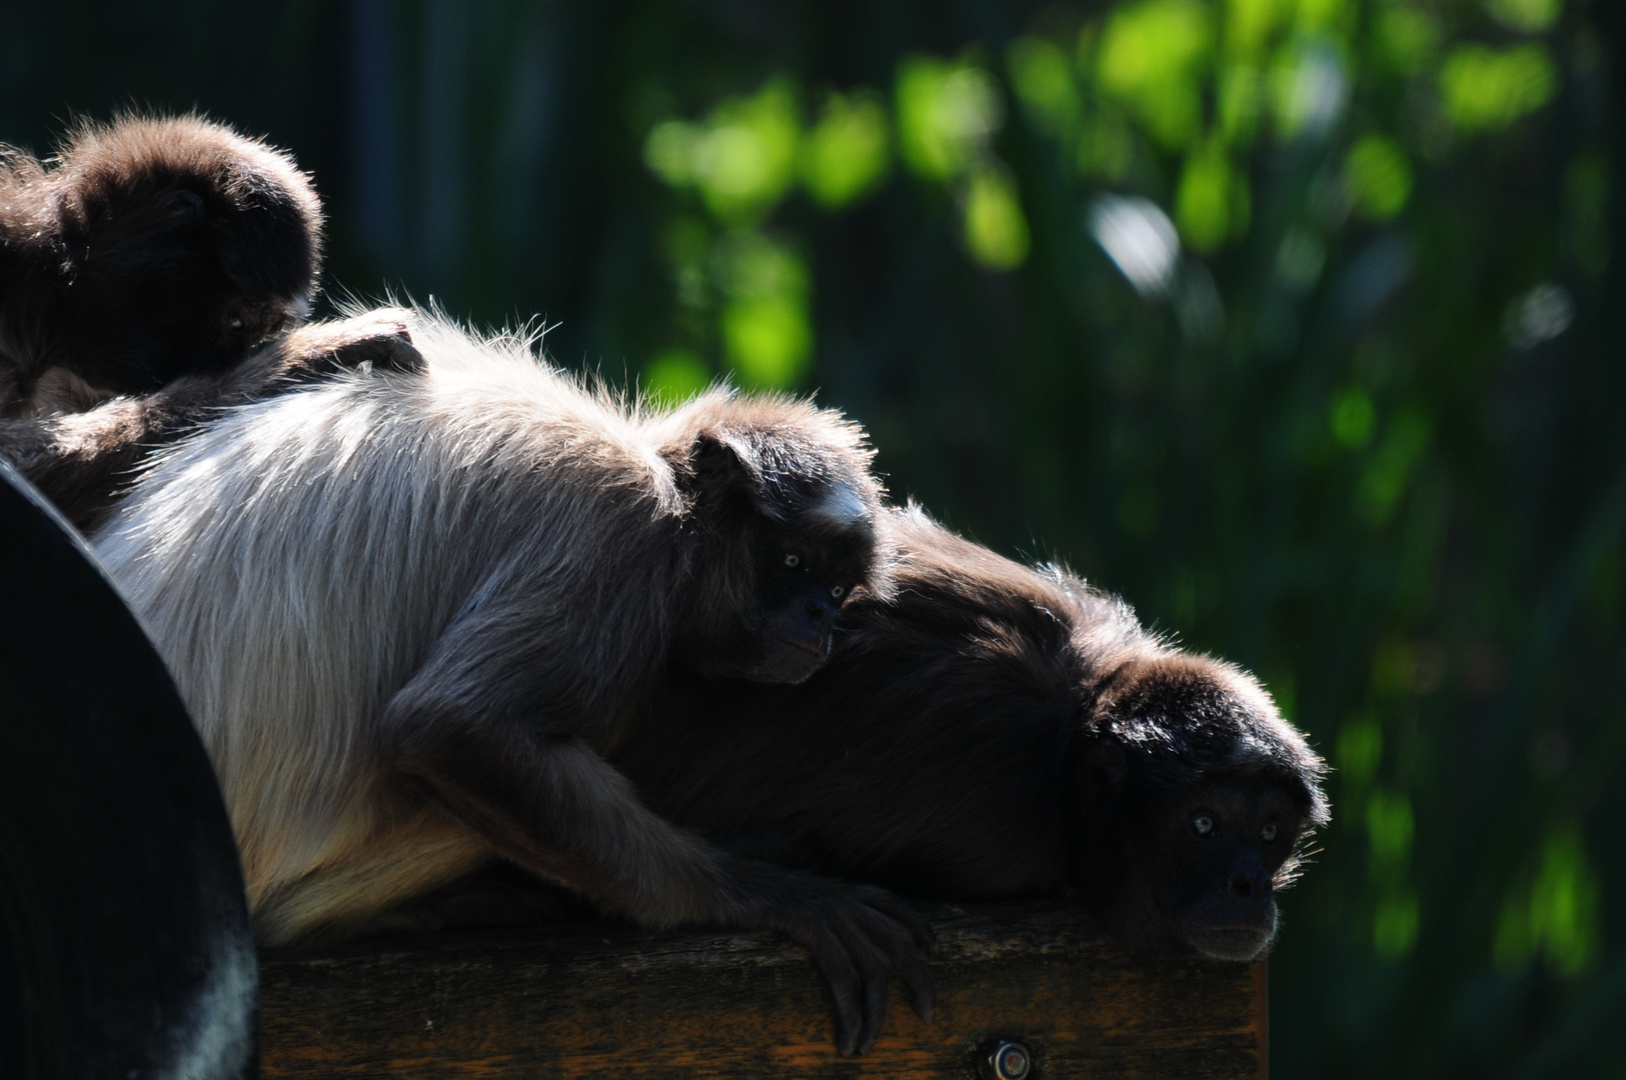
1203 825
1268 833
838 592
793 561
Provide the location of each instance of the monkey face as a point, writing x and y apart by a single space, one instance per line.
1198 870
801 595
800 582
1229 842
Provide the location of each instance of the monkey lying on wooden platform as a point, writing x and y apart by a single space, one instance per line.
149 249
411 613
990 730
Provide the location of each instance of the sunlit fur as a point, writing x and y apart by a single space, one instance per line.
297 561
147 248
83 460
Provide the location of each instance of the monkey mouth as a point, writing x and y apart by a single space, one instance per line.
1228 942
813 649
788 660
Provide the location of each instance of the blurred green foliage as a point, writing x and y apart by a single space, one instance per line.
1294 321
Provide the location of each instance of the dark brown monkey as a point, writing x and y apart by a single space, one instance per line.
82 461
997 731
412 613
149 249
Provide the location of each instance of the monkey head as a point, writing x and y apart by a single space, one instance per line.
157 247
784 497
1196 799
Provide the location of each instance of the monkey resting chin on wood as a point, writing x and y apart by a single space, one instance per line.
412 613
996 731
150 248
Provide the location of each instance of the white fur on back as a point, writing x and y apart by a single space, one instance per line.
294 562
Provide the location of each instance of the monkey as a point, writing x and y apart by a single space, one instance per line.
989 730
412 613
148 249
82 461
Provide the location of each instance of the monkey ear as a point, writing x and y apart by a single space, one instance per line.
725 466
271 240
1102 769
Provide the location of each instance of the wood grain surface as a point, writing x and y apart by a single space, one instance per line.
599 1000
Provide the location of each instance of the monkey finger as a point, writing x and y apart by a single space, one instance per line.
922 994
835 963
875 1001
905 960
924 937
865 937
390 350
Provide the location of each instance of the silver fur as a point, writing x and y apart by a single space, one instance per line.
297 560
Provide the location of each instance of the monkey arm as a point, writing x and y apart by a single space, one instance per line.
548 802
81 460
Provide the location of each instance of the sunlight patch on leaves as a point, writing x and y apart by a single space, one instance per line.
1485 89
996 232
845 155
946 113
1379 177
1152 55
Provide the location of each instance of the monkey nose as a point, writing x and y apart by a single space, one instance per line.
817 613
1240 886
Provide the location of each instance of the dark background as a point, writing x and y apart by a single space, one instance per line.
1360 431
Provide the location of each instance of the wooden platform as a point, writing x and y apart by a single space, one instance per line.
596 1000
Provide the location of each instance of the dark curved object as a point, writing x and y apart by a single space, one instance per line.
125 948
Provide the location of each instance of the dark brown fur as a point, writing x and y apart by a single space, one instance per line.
82 461
149 249
996 731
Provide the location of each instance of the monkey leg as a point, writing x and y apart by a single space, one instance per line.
353 892
551 804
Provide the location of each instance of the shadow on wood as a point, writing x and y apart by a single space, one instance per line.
593 999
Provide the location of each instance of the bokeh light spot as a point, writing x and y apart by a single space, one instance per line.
1485 89
1151 56
1379 177
996 232
675 375
945 114
845 155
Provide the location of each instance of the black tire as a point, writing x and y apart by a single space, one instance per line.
125 948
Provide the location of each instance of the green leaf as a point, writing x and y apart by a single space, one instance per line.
946 112
675 375
1486 89
844 157
1531 16
1151 56
1212 204
1379 177
996 232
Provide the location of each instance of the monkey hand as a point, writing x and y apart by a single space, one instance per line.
381 340
858 935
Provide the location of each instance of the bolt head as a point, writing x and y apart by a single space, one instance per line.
1010 1061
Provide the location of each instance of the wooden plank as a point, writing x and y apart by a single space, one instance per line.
597 1000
